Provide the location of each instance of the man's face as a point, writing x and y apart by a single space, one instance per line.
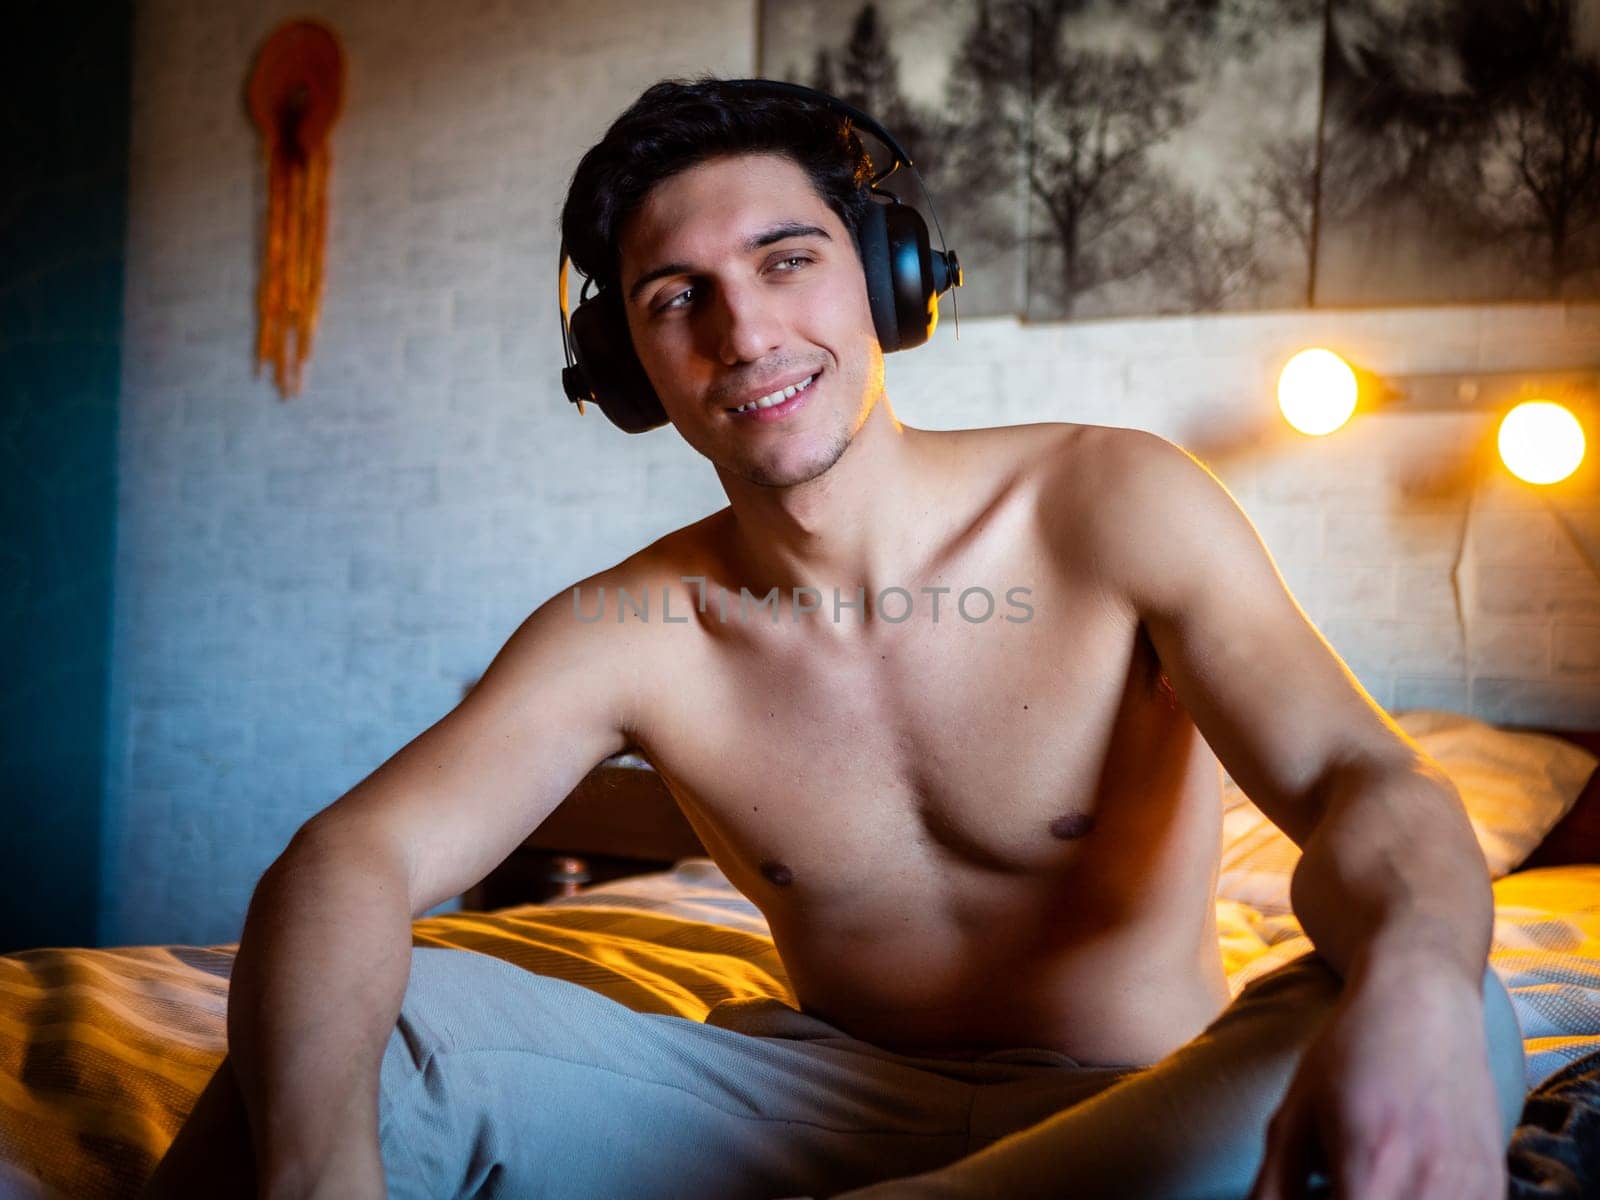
739 280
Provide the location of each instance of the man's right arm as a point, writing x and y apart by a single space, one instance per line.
325 954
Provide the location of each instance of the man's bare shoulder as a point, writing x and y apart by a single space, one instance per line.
684 550
1015 443
1134 509
1072 465
1106 490
630 592
607 626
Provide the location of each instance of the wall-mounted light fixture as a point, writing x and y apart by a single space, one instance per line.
1317 392
1540 439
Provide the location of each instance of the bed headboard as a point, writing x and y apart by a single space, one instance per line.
623 809
1576 838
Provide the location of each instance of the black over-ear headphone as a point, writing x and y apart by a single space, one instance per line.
905 279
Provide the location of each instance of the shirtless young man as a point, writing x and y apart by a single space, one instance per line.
987 844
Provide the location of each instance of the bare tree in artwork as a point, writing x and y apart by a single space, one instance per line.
1096 116
867 75
823 76
1546 141
1090 158
1464 139
986 140
1204 261
1281 190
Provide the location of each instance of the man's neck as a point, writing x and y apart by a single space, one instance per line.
867 522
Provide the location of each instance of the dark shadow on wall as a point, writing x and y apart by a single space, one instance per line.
63 212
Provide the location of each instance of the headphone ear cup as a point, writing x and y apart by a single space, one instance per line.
615 377
910 263
872 243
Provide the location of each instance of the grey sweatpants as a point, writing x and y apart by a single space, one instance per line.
501 1083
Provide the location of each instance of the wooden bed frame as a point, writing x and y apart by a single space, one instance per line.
621 820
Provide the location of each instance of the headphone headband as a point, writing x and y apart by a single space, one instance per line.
784 88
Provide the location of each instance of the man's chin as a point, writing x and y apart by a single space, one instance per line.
789 472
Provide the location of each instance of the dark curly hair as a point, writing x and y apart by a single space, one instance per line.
677 124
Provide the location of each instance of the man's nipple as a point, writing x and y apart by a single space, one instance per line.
777 873
1073 825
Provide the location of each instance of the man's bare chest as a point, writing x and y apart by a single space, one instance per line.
1014 749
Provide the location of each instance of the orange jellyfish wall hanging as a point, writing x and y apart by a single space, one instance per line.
295 95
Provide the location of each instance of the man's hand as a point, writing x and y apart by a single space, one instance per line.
1393 1099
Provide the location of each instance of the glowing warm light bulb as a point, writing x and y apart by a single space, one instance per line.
1316 392
1541 442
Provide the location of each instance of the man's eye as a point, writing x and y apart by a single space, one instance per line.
679 299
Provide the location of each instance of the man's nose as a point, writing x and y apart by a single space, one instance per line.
745 327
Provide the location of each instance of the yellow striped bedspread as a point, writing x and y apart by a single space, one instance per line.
102 1052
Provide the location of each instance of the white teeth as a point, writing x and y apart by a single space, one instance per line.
777 397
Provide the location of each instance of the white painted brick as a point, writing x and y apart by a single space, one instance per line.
427 357
386 573
1407 647
423 613
419 703
1538 591
211 484
448 264
348 528
1349 591
1502 490
283 737
1577 649
1425 594
1509 649
1558 705
686 479
1577 540
1292 533
1303 478
1437 692
1356 537
387 656
474 356
367 744
448 528
1515 537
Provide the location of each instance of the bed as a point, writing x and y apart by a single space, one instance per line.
102 1052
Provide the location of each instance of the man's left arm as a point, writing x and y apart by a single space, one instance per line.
1391 887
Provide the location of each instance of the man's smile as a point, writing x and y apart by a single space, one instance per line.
778 403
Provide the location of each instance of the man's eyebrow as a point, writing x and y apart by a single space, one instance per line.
766 237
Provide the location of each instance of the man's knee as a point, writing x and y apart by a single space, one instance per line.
1309 988
1291 1001
443 1074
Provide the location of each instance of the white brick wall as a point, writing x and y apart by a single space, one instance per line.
302 587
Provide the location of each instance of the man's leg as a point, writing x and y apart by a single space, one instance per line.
1193 1126
502 1083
